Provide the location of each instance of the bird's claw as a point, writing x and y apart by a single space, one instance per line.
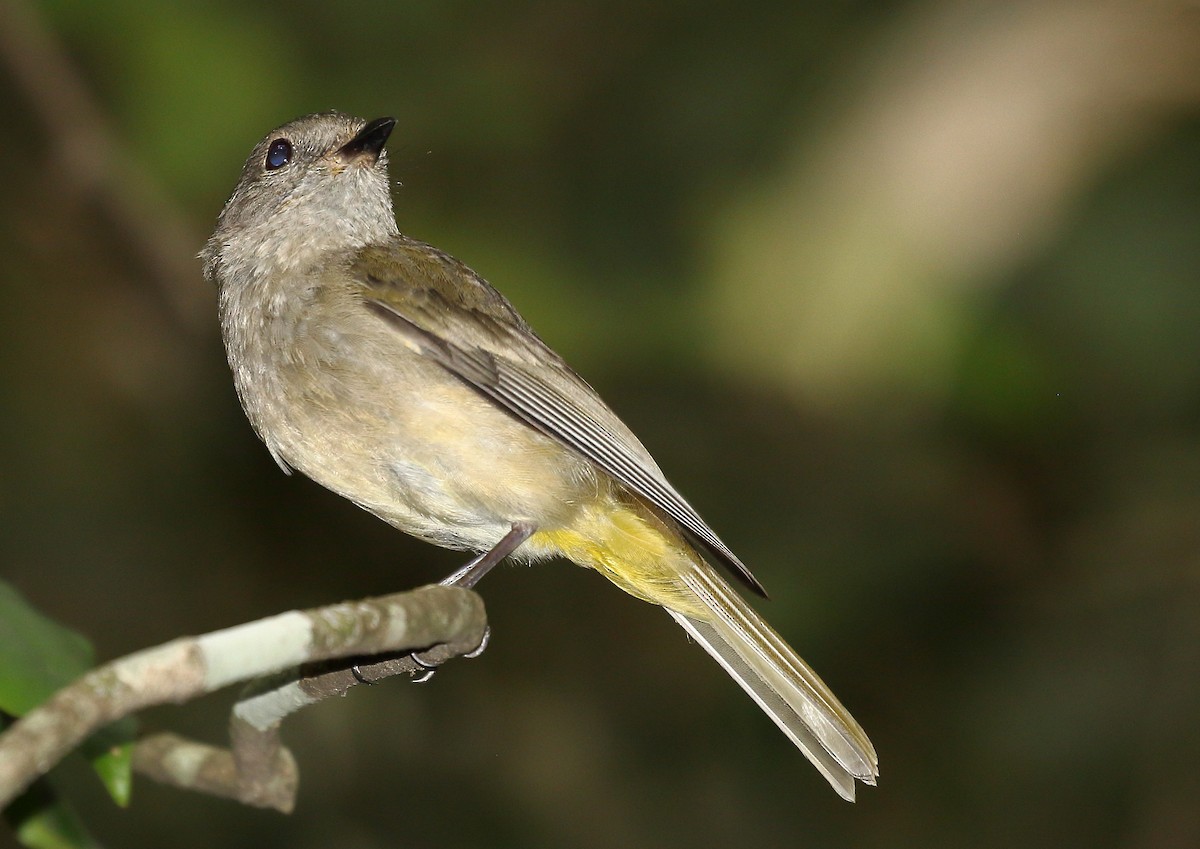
429 665
483 643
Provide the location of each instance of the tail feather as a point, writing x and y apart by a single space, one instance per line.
780 682
641 554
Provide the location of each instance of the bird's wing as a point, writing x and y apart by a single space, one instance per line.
454 317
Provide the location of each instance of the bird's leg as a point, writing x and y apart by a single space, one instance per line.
469 575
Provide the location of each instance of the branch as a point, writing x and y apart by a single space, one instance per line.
257 769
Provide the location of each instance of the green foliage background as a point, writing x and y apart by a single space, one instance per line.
902 294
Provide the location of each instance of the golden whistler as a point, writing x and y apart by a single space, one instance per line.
391 373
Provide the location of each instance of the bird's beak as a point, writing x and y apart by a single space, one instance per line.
368 143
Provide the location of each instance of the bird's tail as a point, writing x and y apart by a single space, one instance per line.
780 682
643 556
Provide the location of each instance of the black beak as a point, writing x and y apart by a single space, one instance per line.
369 141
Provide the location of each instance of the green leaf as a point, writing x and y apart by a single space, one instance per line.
42 820
111 752
37 655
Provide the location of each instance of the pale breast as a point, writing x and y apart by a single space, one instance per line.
367 417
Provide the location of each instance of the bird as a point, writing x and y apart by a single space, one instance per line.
391 373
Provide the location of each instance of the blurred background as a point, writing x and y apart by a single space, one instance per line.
904 295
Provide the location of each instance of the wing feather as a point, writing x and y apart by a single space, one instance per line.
473 332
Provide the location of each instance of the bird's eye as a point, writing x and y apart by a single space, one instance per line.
279 154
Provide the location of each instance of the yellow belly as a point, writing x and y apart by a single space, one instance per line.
624 541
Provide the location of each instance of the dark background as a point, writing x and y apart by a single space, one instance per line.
902 295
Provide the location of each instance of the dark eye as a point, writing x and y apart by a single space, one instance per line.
279 154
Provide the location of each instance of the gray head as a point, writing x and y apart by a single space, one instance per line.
316 184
